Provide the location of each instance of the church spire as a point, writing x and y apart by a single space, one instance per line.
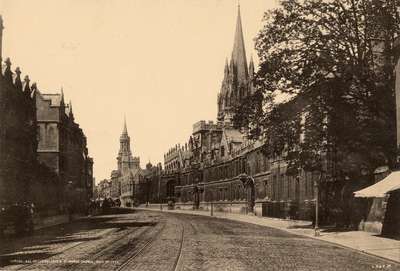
239 53
125 131
71 114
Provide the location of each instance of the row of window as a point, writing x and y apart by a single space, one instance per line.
276 187
224 171
252 164
236 193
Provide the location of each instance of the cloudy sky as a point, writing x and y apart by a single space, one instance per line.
159 62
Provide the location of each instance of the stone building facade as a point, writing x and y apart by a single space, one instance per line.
17 135
43 154
125 181
62 146
103 189
152 189
222 166
219 164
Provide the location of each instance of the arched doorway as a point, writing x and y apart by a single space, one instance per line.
248 183
170 190
196 198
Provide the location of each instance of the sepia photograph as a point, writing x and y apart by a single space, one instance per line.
188 135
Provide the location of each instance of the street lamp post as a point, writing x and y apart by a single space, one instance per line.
147 181
316 225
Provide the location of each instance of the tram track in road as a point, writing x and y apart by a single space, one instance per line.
131 264
46 263
147 244
54 262
178 261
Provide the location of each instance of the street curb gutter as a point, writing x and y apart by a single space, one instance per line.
283 229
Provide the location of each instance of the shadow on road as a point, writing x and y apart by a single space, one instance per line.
39 246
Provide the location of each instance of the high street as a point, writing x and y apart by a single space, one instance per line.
145 240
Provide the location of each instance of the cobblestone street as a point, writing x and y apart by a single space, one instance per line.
165 241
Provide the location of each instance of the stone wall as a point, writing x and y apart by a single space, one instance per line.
17 136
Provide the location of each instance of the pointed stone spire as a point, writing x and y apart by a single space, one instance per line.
125 159
62 102
239 53
125 130
251 65
251 77
71 114
251 68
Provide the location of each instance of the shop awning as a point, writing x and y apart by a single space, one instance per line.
380 189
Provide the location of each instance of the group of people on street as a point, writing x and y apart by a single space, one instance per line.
102 206
18 217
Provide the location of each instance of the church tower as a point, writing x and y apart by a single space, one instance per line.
237 82
125 160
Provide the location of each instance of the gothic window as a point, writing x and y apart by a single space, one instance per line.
282 182
51 138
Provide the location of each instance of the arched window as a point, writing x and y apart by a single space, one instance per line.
51 137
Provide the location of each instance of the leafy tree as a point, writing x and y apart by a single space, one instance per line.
335 60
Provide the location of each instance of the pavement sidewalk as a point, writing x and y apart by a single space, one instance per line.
362 241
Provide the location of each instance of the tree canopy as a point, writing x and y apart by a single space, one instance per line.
335 60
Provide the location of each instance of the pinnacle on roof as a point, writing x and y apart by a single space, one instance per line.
18 82
251 66
27 88
125 131
62 96
71 114
239 53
